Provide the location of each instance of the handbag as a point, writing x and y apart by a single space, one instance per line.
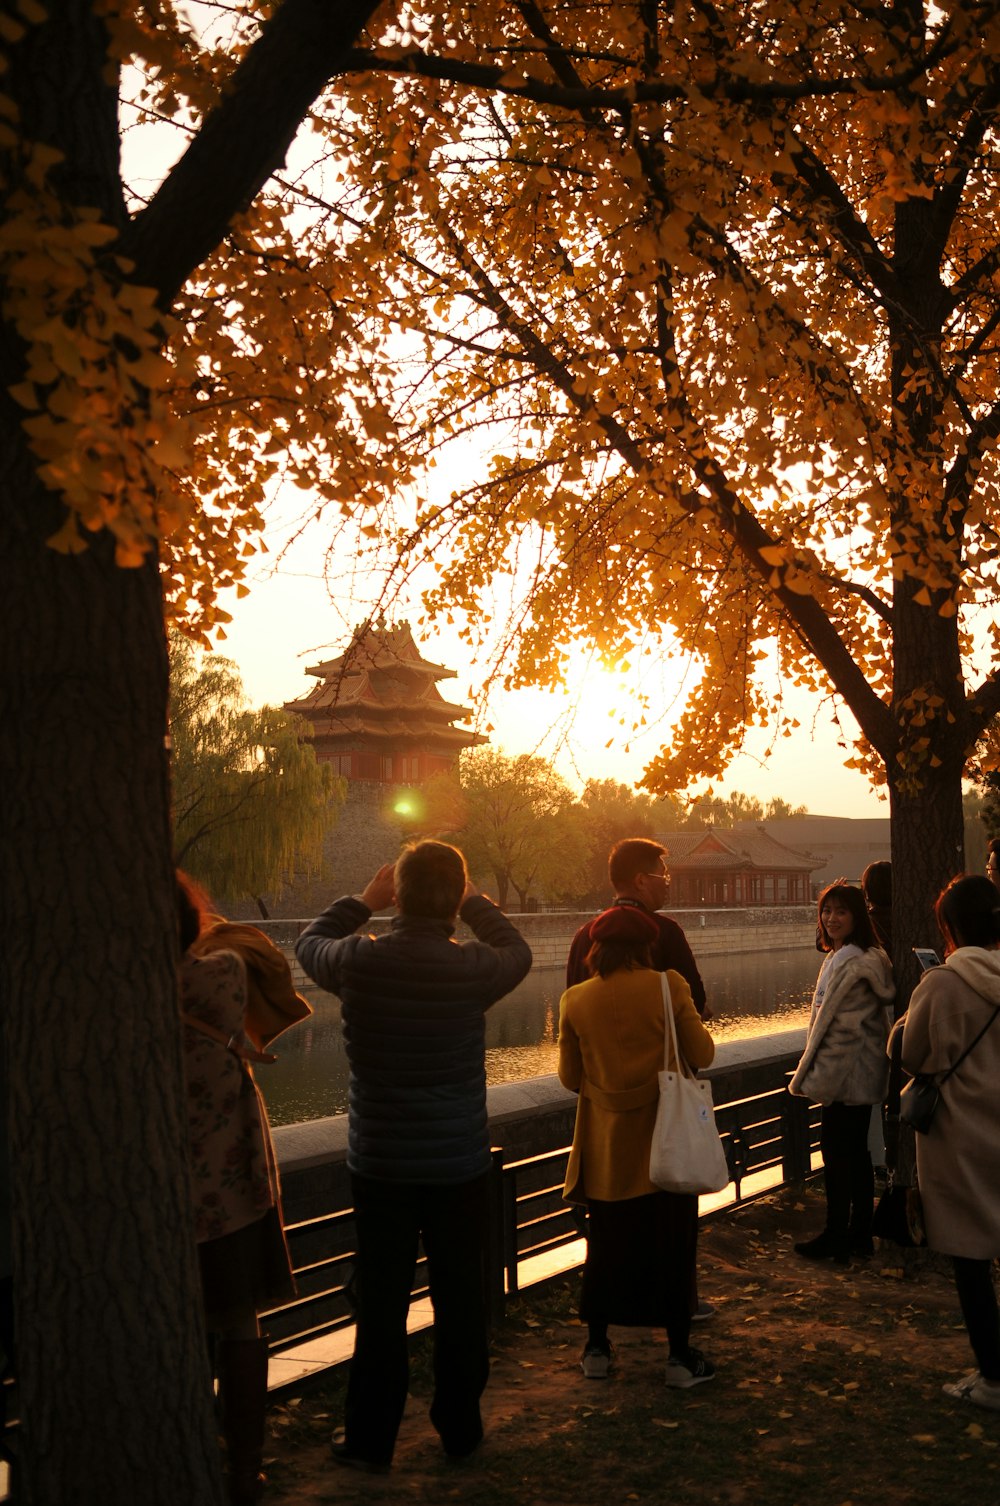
918 1101
898 1216
686 1153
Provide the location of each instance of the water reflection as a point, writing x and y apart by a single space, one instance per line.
310 1076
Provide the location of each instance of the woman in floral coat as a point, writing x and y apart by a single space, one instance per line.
242 1252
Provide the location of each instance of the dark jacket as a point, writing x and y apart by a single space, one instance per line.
671 951
413 1004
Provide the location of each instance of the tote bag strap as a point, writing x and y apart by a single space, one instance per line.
670 1033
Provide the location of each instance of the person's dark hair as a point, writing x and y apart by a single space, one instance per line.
430 879
607 957
993 847
632 856
876 886
621 937
968 911
876 883
851 897
193 909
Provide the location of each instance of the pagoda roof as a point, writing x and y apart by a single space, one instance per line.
347 727
380 645
381 691
381 687
714 848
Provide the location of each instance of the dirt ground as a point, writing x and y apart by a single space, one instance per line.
828 1391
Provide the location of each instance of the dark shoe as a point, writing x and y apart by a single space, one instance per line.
596 1361
703 1312
459 1428
693 1369
861 1246
456 1455
342 1455
825 1246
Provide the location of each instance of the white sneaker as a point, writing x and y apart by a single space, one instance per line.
693 1370
960 1389
985 1393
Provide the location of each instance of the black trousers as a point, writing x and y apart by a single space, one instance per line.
640 1264
847 1170
974 1280
390 1218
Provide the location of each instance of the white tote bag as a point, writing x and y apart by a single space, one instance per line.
686 1154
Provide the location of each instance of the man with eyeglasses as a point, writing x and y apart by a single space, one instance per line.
637 868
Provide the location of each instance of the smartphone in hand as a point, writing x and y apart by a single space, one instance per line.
927 957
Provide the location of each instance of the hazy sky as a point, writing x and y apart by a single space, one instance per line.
289 621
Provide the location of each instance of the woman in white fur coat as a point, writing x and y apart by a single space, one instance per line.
844 1067
954 1010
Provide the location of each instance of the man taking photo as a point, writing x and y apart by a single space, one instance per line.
413 1006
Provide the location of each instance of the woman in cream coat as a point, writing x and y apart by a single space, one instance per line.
641 1241
958 1162
844 1068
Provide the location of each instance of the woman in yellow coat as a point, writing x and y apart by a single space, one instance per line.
641 1241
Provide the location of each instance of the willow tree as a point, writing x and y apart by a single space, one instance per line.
251 803
729 277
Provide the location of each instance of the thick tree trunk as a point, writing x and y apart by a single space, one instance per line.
927 852
925 774
934 725
115 1392
114 1383
111 1357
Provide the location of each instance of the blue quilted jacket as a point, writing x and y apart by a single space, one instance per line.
413 1005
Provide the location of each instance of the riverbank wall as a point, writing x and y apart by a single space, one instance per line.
711 933
769 1138
527 1118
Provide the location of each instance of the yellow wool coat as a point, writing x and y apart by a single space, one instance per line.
610 1052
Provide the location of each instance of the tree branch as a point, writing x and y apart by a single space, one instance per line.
984 703
947 198
499 79
243 140
810 621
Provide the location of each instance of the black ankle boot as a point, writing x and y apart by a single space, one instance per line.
825 1246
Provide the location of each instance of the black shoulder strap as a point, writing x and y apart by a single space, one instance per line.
891 1124
969 1047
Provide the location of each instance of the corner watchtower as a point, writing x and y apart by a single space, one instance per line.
377 715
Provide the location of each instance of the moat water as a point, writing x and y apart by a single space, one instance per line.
750 994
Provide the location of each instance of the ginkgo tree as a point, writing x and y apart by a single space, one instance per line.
723 279
726 281
135 437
